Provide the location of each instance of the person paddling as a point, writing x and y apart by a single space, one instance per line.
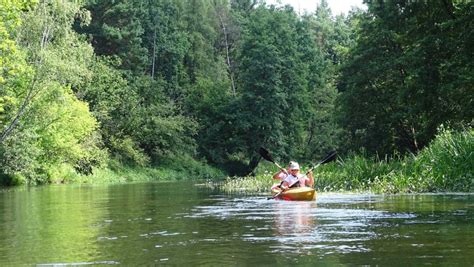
293 177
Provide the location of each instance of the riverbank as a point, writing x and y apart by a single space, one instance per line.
443 166
146 174
115 172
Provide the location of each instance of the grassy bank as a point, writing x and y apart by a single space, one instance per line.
116 172
446 165
144 174
173 170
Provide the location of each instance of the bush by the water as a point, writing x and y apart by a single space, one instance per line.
447 163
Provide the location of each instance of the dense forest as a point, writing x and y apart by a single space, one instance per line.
187 84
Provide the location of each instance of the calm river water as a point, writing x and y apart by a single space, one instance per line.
183 224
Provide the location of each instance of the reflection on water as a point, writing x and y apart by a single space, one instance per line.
302 226
296 219
179 224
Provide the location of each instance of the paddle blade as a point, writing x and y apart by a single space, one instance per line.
265 154
331 156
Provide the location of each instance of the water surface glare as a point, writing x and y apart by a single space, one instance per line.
179 223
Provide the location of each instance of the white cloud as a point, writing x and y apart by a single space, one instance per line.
337 6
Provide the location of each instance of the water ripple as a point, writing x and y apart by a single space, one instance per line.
340 223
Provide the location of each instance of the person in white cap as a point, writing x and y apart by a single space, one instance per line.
293 177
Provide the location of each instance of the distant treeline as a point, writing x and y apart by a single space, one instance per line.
89 85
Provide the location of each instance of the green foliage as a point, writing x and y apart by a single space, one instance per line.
116 29
167 42
161 84
322 133
209 101
12 180
140 105
52 122
114 104
14 72
443 166
273 91
259 183
128 152
19 154
139 123
148 37
185 60
182 168
163 130
50 128
447 161
55 140
396 86
201 26
190 168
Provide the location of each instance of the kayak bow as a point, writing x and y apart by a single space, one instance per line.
298 193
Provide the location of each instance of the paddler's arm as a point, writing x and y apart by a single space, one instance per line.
284 186
280 175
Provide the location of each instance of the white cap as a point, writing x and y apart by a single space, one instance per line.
294 165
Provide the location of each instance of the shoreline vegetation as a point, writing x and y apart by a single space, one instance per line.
116 172
446 165
443 166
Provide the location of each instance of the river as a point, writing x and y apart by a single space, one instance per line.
185 224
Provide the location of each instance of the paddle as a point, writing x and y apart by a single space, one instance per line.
329 157
266 155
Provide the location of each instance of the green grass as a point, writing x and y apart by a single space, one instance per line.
115 172
448 161
176 170
259 183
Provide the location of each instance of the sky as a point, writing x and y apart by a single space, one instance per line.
337 6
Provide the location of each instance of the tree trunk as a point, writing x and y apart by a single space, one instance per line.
228 63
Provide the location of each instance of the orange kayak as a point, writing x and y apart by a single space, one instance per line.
298 193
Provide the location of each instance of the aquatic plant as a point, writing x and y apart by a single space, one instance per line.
258 183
